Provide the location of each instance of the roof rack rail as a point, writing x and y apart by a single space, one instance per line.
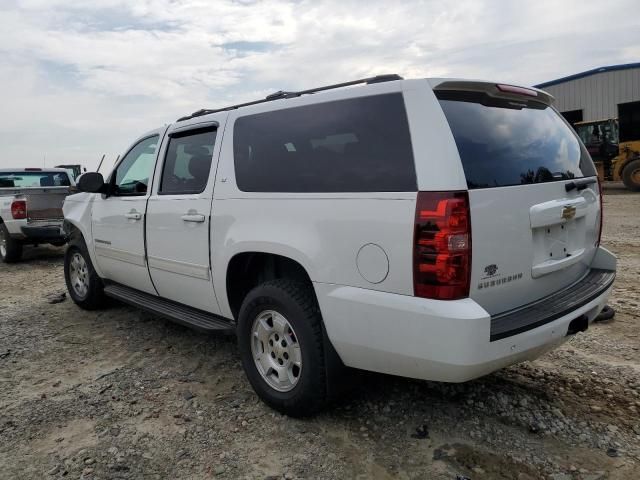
283 95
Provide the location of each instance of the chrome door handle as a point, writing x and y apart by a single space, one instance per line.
193 217
133 215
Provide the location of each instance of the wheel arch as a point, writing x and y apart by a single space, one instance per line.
247 269
283 267
75 230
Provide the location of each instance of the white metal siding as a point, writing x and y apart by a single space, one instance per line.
597 95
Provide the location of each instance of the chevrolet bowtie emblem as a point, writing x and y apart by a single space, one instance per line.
568 212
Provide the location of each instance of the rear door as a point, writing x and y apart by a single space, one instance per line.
533 193
179 215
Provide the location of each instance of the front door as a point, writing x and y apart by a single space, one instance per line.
179 217
118 219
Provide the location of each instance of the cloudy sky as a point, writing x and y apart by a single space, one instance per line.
82 79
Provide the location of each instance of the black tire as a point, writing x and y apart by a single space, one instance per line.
297 303
607 313
631 175
12 249
94 297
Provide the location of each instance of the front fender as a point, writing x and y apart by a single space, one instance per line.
77 213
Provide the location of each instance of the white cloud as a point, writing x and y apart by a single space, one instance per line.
79 79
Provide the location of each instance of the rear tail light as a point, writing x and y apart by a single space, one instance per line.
442 246
601 214
19 209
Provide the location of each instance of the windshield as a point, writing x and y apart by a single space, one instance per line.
597 133
34 179
71 172
502 145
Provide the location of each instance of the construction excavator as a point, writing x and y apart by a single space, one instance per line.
74 170
615 149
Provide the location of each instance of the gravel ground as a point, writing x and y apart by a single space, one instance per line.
120 394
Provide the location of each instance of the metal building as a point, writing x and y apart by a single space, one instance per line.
601 93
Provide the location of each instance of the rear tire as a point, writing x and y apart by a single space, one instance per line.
607 313
10 249
631 175
83 283
282 347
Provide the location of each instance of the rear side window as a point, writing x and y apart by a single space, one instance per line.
355 145
510 144
188 162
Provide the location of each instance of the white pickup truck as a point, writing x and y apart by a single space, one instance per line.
437 229
31 208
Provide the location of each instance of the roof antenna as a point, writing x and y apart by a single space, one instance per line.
100 164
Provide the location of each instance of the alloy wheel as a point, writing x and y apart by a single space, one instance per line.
79 275
276 351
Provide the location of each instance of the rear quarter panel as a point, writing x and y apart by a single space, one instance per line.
323 234
438 164
5 212
13 226
322 231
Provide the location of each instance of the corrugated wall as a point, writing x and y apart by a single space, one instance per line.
598 95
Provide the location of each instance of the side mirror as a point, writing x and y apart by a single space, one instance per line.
91 182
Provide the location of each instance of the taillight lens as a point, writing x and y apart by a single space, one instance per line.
517 90
19 209
442 246
601 215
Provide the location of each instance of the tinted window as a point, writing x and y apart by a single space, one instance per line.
355 145
133 173
507 145
188 162
629 117
33 179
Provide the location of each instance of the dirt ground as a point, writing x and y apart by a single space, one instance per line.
120 394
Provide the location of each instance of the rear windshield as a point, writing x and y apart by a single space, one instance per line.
34 179
509 144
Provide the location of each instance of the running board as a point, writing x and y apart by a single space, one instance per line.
182 314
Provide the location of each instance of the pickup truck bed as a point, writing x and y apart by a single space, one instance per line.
31 215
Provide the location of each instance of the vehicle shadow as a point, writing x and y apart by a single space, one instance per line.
615 188
42 252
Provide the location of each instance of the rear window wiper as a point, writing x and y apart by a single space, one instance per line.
579 184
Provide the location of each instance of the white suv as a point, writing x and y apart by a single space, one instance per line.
435 229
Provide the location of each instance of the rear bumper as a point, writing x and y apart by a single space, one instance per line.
43 233
437 340
550 308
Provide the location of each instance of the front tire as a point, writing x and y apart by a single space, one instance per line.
282 348
10 249
631 175
83 283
